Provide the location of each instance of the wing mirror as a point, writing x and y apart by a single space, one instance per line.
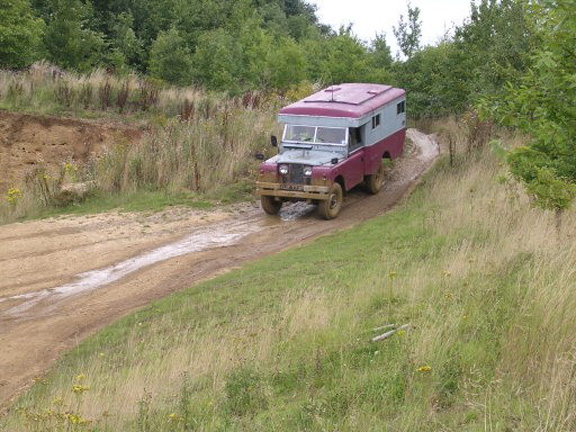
334 161
274 141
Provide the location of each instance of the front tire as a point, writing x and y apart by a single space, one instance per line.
330 208
374 181
270 205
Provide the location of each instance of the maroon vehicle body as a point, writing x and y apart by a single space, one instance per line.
338 136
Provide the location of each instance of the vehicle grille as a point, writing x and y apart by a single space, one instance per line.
296 174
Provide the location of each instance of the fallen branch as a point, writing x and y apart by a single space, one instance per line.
389 333
384 327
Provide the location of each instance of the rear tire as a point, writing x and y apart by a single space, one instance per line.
270 205
329 209
374 181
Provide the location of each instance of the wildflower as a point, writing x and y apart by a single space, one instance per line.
58 401
173 417
392 274
76 419
80 377
13 195
69 168
79 388
424 368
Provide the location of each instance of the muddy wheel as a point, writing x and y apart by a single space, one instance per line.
374 181
330 208
270 205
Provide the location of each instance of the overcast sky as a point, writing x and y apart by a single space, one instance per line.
376 16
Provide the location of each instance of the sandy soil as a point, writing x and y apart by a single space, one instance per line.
28 140
63 279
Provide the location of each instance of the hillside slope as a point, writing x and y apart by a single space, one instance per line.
485 281
28 142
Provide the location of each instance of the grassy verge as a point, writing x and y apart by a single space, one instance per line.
135 202
147 201
486 281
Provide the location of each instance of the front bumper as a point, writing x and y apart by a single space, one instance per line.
304 192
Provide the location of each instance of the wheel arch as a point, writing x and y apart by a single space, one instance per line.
340 180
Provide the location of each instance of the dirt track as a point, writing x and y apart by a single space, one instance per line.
63 279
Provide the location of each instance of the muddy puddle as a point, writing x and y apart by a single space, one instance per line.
211 237
207 238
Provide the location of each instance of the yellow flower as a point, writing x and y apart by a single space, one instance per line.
76 419
424 369
80 377
173 417
392 274
79 388
13 195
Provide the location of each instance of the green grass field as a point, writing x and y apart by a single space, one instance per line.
486 282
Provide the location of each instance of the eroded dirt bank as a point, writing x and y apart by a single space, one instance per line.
63 279
28 140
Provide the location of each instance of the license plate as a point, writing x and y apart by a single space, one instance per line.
292 187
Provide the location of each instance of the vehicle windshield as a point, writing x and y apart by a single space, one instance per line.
316 135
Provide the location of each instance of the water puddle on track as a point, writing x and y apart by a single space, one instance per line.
218 235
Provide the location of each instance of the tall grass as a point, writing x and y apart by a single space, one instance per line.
46 89
195 142
486 281
214 148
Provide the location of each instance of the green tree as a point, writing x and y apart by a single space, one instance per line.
215 60
496 45
124 40
286 64
338 58
381 52
20 34
70 41
543 105
409 31
170 58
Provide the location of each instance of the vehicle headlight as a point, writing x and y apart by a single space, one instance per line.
283 169
308 171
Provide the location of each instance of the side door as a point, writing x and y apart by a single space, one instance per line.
354 170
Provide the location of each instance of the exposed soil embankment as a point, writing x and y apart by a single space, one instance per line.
65 278
28 140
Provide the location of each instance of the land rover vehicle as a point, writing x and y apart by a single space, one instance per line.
333 140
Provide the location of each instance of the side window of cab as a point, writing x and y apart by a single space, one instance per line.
356 139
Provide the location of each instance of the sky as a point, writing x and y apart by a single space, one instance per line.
377 16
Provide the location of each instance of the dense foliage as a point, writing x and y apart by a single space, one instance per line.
543 104
273 44
513 59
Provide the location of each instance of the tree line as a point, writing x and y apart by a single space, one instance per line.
514 61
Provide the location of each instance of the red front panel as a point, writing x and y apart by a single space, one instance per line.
392 145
